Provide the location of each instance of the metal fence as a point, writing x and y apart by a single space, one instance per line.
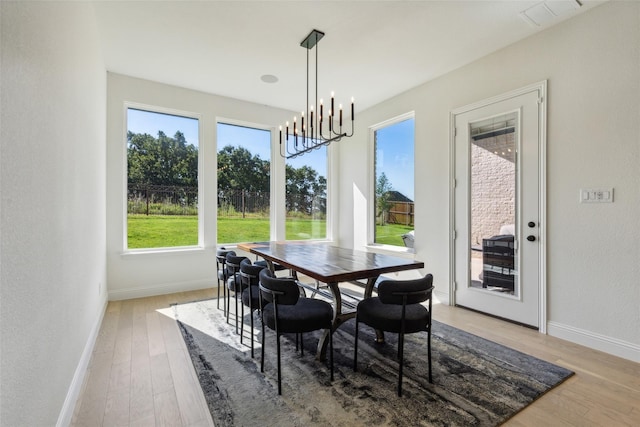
162 200
177 200
242 203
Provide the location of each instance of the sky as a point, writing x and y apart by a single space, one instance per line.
139 121
394 158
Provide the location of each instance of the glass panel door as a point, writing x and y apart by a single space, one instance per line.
493 179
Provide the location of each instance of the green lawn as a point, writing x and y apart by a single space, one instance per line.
161 231
158 231
391 234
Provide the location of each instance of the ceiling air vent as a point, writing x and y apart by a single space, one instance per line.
545 12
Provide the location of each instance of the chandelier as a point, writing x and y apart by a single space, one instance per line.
319 129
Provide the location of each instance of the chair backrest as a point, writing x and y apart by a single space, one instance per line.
233 262
415 291
249 272
279 289
221 255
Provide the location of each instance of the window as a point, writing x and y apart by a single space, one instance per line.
244 165
162 180
306 196
394 182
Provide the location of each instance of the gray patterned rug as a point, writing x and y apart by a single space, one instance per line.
476 382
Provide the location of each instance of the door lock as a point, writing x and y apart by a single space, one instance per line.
531 224
531 238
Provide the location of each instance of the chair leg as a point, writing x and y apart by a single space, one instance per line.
262 344
224 296
241 322
331 351
251 322
279 374
355 349
228 304
218 301
401 357
236 295
429 354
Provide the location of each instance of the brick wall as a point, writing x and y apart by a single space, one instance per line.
493 186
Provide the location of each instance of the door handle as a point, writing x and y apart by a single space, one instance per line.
531 238
531 224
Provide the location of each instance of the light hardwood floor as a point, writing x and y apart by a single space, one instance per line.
140 373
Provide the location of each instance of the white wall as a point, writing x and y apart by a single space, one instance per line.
52 222
136 274
592 63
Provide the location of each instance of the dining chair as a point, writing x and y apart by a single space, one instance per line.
221 271
234 284
398 308
285 311
250 294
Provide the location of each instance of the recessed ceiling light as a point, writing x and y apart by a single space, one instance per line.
269 78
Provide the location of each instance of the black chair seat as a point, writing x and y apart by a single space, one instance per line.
305 316
223 273
252 301
235 285
388 317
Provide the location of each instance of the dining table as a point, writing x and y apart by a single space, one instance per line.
333 266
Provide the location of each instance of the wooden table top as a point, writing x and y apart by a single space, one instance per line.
330 264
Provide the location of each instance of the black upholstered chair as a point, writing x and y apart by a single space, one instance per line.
285 311
234 284
398 308
250 293
221 268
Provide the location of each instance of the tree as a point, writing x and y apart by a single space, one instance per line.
306 191
162 160
383 187
239 170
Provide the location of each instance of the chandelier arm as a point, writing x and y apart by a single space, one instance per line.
289 153
338 137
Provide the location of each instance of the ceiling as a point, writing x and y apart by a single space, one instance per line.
372 50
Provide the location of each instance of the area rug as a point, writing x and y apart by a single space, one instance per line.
476 382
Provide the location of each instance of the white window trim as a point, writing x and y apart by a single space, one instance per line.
371 222
174 112
276 210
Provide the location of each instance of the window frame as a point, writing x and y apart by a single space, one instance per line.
173 112
328 213
371 222
275 166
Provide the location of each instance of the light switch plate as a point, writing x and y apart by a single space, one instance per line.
591 195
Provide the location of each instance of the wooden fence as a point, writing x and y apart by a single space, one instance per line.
401 213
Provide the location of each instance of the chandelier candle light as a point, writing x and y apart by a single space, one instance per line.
312 135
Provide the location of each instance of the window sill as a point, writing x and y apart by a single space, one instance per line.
391 250
186 250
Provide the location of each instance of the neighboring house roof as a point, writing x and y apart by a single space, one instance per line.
395 196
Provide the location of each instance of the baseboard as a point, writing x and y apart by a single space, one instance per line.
160 289
442 297
613 346
66 413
